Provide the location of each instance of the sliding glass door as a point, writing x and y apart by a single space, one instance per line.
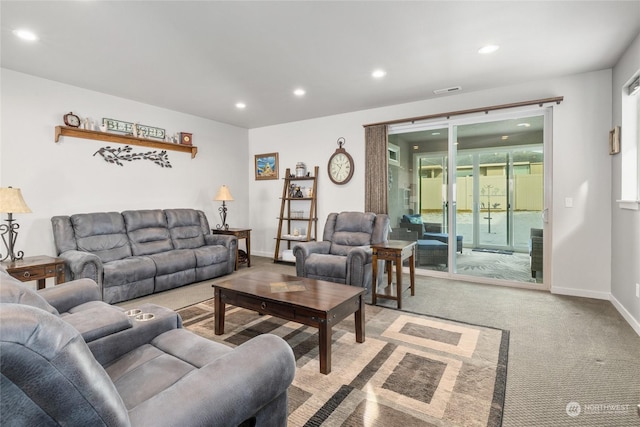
477 186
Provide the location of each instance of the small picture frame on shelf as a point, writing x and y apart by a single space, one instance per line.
266 166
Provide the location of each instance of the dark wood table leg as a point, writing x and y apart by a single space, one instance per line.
359 314
389 266
248 242
412 271
399 280
42 283
219 312
374 280
325 347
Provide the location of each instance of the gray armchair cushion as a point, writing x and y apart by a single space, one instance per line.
132 269
69 295
147 230
98 322
185 228
103 234
327 267
49 376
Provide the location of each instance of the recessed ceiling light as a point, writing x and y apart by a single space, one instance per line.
241 105
488 48
299 92
524 125
378 74
505 137
25 35
415 147
435 133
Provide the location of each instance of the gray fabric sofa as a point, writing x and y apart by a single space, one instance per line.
344 256
147 374
136 253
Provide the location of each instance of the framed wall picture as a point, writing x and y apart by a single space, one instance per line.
614 140
266 166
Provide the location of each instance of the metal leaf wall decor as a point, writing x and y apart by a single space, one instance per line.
119 155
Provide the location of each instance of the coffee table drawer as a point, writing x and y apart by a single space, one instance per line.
259 305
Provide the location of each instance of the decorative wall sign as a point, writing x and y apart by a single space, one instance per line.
141 131
119 155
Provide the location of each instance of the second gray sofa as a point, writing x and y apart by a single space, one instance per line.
139 252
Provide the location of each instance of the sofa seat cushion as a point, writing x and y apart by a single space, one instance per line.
211 255
91 305
102 234
153 368
147 231
174 261
326 265
128 270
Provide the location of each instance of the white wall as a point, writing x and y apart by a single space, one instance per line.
625 230
66 178
581 238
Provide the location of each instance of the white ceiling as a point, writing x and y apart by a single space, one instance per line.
201 57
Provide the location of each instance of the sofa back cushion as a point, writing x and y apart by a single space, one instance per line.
186 228
49 376
147 231
351 229
15 292
102 234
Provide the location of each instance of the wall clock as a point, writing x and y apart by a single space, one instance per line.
340 165
72 120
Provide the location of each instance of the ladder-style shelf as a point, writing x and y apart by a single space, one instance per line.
290 213
123 139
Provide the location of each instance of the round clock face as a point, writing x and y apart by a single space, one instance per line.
71 120
187 139
340 167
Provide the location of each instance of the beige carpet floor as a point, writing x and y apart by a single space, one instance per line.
563 350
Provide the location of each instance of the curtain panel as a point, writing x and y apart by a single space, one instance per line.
376 187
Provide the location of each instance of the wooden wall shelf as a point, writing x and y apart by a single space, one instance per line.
123 139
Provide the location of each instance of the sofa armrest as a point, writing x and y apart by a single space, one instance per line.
220 239
83 265
71 294
98 322
229 242
229 390
302 251
357 260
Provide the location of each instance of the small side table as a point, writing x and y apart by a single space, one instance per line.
398 251
240 233
37 268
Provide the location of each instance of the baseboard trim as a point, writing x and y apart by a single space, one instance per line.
580 293
635 324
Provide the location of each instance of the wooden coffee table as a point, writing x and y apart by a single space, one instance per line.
311 302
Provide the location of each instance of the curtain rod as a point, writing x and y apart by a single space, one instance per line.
540 102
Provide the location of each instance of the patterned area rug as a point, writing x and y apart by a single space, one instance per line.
412 370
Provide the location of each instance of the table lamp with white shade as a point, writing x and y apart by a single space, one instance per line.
223 195
11 202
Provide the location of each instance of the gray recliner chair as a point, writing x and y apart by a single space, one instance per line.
49 377
344 255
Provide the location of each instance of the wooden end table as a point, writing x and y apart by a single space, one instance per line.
393 251
37 268
240 233
314 303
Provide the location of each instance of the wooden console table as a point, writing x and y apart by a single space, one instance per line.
398 251
240 233
37 268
